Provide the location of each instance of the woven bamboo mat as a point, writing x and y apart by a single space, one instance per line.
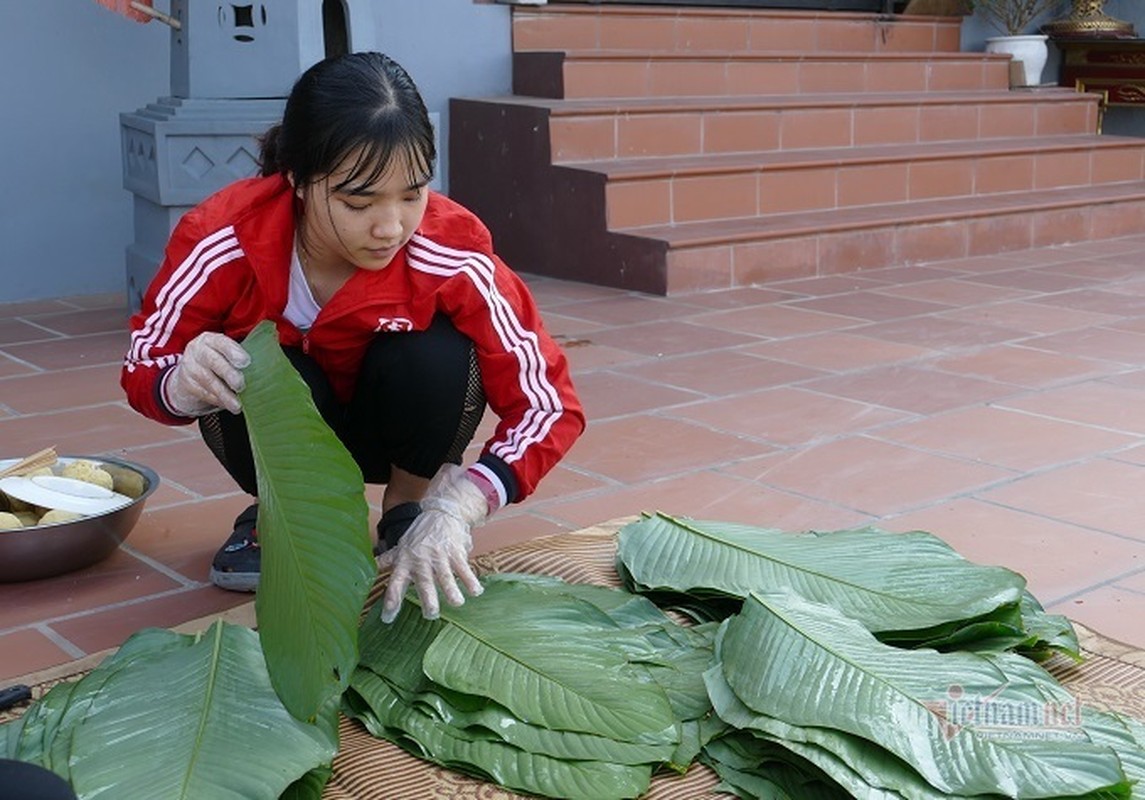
1112 677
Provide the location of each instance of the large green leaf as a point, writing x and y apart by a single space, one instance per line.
558 665
385 715
317 563
175 717
808 665
889 582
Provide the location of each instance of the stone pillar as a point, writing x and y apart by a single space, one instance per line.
232 65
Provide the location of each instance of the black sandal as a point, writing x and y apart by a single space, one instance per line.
237 564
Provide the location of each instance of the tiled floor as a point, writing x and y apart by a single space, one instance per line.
998 402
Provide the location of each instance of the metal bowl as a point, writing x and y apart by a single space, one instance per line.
43 551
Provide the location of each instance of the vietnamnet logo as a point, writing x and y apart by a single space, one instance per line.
990 714
393 325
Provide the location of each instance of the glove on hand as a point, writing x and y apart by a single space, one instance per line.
207 377
434 552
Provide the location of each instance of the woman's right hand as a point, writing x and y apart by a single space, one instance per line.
207 377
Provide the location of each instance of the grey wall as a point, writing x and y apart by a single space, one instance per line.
69 67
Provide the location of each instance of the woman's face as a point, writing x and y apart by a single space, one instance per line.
364 225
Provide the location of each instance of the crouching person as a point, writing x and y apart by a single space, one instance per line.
392 306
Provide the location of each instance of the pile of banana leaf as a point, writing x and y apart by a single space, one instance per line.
173 715
874 665
540 686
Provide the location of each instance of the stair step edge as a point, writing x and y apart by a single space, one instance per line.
778 226
559 107
659 167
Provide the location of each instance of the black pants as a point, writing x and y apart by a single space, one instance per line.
22 781
416 405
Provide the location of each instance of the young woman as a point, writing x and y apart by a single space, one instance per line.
392 306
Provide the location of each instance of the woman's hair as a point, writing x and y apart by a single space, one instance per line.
360 104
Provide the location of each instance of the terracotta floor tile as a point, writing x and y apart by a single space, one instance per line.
110 627
1103 494
28 650
1093 403
628 310
1134 582
721 373
1056 559
10 367
1109 268
838 352
112 300
1108 344
15 331
584 355
955 292
185 538
1035 280
551 293
873 306
186 463
938 333
775 322
708 495
78 323
875 477
561 482
1109 610
88 431
740 297
639 448
912 389
1000 262
829 284
55 390
121 577
788 416
609 394
1022 366
669 338
1111 300
73 351
1005 438
31 307
1029 317
915 273
563 327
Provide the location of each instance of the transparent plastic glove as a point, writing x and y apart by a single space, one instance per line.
208 376
434 553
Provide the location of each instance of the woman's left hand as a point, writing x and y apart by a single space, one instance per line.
434 553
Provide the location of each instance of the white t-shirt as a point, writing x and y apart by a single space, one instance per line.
301 307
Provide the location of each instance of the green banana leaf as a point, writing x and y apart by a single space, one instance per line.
808 665
551 659
317 562
386 716
888 582
174 717
485 720
749 765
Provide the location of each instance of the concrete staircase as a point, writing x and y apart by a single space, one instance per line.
671 150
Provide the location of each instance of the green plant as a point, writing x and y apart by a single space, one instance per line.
1014 17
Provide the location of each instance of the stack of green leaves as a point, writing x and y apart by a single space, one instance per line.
163 717
821 696
910 589
544 687
875 665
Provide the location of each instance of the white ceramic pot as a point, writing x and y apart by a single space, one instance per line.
1032 51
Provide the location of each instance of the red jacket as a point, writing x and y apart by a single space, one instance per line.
227 267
